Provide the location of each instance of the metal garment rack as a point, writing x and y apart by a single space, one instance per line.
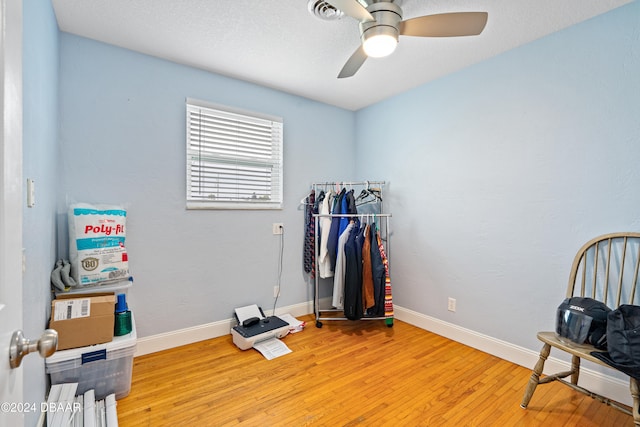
385 238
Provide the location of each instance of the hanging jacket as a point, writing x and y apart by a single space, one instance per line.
353 274
340 270
348 207
332 243
368 298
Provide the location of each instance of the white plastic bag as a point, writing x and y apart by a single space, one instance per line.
97 243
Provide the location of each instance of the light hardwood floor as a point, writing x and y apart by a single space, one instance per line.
346 374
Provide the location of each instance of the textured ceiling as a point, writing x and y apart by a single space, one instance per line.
279 44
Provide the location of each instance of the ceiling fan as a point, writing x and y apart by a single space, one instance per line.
381 23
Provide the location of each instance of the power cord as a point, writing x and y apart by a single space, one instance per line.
279 269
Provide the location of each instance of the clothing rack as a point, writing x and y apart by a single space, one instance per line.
315 185
331 314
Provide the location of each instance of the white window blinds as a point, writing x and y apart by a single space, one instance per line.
234 159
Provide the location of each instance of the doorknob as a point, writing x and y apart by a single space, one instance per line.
21 346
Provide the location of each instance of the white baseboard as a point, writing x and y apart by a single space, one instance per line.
613 388
167 340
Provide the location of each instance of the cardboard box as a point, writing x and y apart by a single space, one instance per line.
83 320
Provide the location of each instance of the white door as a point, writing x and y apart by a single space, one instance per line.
11 392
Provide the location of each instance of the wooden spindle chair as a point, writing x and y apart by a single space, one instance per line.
606 269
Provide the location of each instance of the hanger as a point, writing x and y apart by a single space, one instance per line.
371 192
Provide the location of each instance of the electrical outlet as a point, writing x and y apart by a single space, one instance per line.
276 291
278 228
451 305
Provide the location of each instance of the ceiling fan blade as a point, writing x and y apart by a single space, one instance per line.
353 63
352 8
445 25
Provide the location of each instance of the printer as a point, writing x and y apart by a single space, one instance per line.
253 327
270 327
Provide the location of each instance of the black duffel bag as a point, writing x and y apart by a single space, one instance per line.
623 340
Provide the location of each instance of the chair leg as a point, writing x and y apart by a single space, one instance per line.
535 376
635 394
575 369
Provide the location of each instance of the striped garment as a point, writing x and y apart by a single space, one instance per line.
388 300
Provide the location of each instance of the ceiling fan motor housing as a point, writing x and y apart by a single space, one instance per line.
387 21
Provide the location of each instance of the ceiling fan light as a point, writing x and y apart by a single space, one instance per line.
380 45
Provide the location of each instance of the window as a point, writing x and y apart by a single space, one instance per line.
234 158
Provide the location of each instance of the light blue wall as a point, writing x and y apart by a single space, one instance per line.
122 119
41 163
500 172
497 174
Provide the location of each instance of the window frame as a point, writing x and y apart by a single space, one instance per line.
274 162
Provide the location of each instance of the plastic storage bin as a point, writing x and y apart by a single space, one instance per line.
105 368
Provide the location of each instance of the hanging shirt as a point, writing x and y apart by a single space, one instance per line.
324 262
340 270
334 234
348 206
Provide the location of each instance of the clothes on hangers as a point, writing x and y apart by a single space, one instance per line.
369 201
332 244
319 198
377 273
348 207
353 274
366 286
388 300
351 250
340 270
324 223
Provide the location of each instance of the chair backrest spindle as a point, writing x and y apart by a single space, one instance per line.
624 253
595 270
606 273
635 280
602 267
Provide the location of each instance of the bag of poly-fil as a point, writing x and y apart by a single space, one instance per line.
97 244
